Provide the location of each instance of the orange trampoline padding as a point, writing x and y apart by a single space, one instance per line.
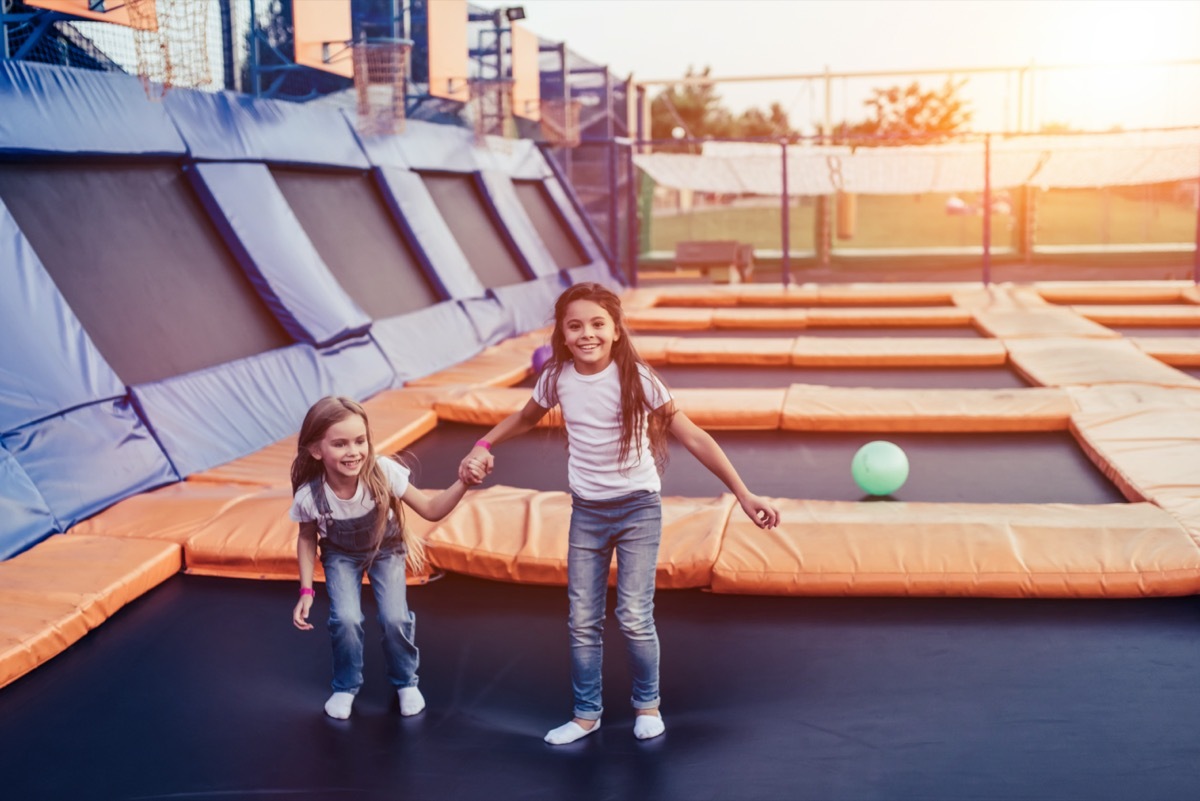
759 351
729 409
879 317
1175 351
256 539
782 319
1073 293
668 319
819 408
732 409
1050 321
520 535
395 424
996 550
1141 315
172 513
1146 452
652 348
885 294
502 365
1063 361
64 587
896 352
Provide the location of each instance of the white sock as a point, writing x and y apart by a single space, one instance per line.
647 726
338 705
569 732
411 701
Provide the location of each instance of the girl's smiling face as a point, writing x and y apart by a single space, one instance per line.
589 332
343 450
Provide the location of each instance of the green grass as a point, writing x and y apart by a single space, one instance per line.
1063 217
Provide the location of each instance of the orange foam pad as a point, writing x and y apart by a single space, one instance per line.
992 550
256 539
1146 452
898 351
876 317
667 319
172 513
818 408
1056 362
1187 315
767 319
59 590
729 409
654 349
1175 351
1127 292
764 351
520 535
1007 323
502 365
886 294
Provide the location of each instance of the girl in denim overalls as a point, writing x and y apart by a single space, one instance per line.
617 413
348 499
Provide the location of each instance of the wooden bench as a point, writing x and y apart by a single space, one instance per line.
721 260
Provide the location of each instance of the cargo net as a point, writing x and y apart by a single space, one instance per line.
560 122
380 74
171 41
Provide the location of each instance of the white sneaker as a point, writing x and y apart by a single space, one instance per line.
647 726
411 701
338 705
569 732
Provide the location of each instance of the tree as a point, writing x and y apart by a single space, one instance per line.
694 108
906 114
755 122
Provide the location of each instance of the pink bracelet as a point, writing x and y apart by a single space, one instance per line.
308 591
483 443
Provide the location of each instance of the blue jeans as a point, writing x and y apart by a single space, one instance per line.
632 525
343 581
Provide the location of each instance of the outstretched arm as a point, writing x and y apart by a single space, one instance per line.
480 459
701 445
434 507
306 558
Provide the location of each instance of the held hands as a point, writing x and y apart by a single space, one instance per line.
300 613
476 466
760 511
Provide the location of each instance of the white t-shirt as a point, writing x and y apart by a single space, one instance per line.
591 409
304 508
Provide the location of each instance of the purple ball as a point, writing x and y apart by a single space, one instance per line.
541 356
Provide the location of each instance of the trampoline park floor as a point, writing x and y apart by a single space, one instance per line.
202 689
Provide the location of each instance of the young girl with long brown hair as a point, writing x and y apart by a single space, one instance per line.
347 501
617 414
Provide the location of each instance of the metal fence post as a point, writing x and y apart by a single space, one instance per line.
987 209
785 219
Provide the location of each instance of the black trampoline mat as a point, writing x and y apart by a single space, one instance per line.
1012 467
552 228
349 224
134 254
203 690
462 205
681 376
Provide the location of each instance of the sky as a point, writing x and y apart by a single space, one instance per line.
658 39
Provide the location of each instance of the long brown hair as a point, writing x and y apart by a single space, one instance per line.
635 406
329 411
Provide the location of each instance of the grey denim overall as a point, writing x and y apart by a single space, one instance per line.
356 535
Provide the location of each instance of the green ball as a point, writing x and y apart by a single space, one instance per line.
879 468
